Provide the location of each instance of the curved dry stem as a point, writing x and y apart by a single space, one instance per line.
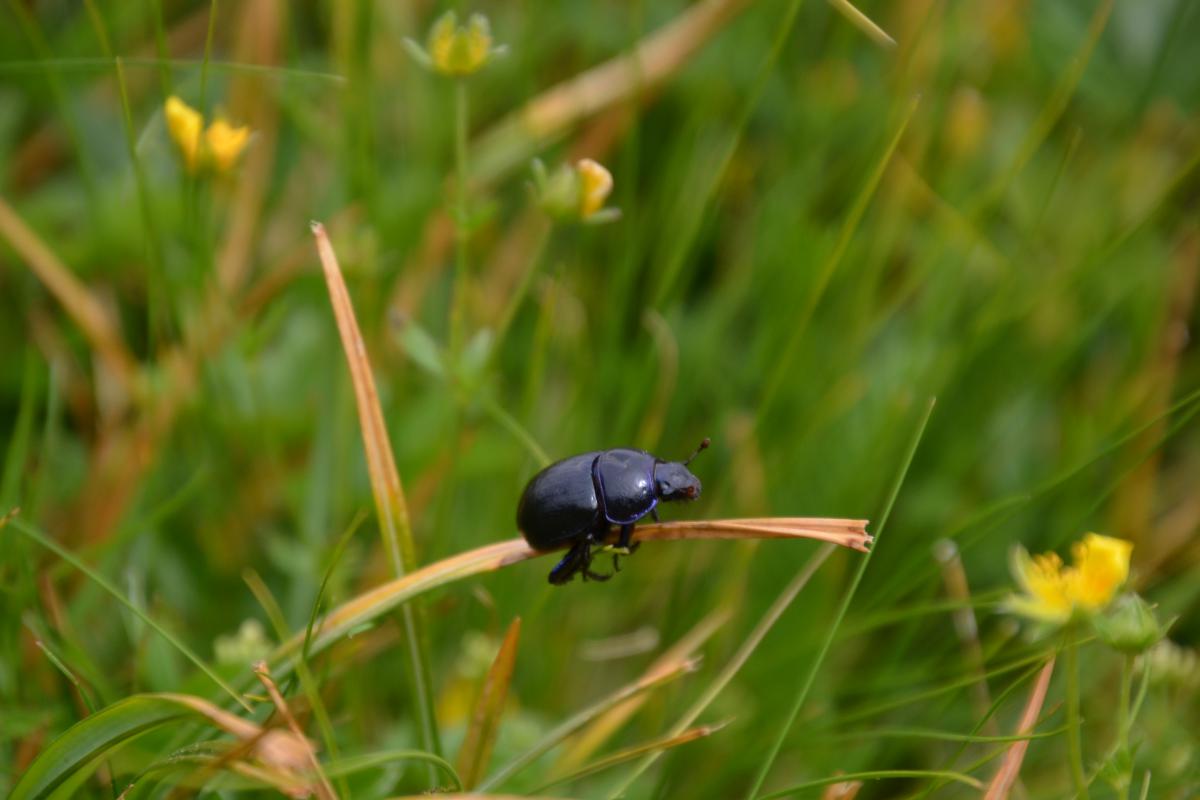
370 605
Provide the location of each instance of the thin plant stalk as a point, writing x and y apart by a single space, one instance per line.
461 222
1074 743
1124 721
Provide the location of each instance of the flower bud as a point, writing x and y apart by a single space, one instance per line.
458 50
1129 625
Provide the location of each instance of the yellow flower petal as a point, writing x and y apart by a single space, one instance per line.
1101 565
225 143
595 183
1045 585
184 123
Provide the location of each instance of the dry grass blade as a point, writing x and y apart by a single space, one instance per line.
373 603
381 465
654 747
476 750
79 303
548 115
847 790
861 21
678 655
323 788
1011 767
390 503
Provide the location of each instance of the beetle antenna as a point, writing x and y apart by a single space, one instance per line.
703 446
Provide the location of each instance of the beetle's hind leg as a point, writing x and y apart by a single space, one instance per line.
577 558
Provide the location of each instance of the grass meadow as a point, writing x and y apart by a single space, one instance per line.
929 264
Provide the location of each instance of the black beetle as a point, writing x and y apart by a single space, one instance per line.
578 499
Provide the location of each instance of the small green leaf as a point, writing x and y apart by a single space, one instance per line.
422 349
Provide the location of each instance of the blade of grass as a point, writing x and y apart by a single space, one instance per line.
655 747
66 555
810 677
1006 776
864 23
735 664
874 775
476 751
102 332
659 55
682 652
629 692
323 789
812 298
390 503
85 741
307 682
375 602
686 238
154 269
1050 112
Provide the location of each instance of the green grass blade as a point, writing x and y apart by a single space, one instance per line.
802 695
739 659
875 775
91 737
66 555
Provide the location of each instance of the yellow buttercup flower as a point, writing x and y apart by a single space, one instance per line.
459 50
218 147
595 184
1053 592
225 143
185 125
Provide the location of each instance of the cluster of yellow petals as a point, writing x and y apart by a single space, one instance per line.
219 146
595 184
1052 592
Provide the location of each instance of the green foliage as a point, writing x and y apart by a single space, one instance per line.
818 233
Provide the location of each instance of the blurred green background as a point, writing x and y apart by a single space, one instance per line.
779 279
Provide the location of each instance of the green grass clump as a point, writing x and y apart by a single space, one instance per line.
823 216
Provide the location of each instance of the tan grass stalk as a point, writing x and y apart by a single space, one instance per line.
861 21
373 603
80 304
658 56
1010 768
323 788
596 734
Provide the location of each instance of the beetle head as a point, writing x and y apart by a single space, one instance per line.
674 481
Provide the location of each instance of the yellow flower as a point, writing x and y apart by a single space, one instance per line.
217 147
185 124
225 143
458 50
595 183
1053 592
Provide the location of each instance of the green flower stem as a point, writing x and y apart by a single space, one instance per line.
461 225
1124 722
1074 743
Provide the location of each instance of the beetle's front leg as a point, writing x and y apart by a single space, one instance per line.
625 545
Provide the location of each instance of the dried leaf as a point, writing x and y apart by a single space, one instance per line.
476 752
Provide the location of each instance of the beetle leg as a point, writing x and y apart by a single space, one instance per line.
654 513
587 564
577 558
